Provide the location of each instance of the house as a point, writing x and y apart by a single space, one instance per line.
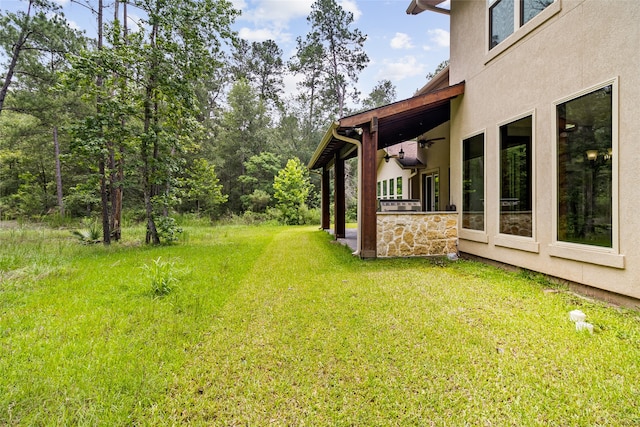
537 117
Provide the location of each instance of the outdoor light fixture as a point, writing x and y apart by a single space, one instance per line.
592 155
401 153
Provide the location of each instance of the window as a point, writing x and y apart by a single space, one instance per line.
500 21
379 187
384 189
529 9
399 187
391 187
516 184
503 13
585 156
473 183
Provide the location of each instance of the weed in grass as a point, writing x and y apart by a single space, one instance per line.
161 276
91 234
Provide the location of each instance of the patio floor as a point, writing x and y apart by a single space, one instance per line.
350 239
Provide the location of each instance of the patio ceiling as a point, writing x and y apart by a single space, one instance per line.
395 123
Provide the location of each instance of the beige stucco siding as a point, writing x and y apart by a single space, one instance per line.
581 45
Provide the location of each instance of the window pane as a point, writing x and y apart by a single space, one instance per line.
379 189
473 183
584 169
384 188
530 8
399 187
515 178
500 21
392 187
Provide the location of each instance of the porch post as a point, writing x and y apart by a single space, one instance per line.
339 198
368 195
325 198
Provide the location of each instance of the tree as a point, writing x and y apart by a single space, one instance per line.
159 75
441 66
36 43
258 180
201 186
382 93
331 56
244 132
291 189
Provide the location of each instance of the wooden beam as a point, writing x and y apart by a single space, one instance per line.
403 106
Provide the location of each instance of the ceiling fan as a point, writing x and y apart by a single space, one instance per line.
427 143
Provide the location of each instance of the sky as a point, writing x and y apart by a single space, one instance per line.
401 48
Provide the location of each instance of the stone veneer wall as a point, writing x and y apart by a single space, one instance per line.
516 223
417 234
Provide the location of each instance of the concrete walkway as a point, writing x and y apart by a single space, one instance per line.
350 239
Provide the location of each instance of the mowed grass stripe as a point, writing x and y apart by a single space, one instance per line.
317 337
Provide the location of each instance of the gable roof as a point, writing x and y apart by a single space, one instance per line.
396 122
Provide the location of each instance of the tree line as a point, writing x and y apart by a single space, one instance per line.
175 115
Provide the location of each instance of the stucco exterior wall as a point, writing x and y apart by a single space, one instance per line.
417 234
580 44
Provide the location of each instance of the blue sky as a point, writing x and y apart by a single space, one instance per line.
401 48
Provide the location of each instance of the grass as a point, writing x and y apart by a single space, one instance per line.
275 325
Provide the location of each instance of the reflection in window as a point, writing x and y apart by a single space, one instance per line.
530 8
379 186
500 21
584 169
384 188
399 187
515 178
391 187
473 183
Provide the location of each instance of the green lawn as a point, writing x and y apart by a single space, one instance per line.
279 326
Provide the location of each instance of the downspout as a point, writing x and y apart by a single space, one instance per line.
358 144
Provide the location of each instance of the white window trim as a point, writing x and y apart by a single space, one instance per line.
519 31
466 233
523 243
609 257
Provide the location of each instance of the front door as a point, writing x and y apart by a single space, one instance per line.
430 192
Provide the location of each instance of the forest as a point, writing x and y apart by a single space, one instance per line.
177 115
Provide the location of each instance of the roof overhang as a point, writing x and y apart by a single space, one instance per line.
397 122
419 6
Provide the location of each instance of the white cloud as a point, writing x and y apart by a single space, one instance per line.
62 3
439 37
401 69
274 12
401 41
351 6
262 34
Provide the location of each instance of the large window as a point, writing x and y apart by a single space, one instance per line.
516 183
473 183
505 15
585 153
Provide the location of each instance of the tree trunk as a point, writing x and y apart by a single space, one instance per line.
17 48
147 169
104 191
56 146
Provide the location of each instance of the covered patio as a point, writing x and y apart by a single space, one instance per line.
362 135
